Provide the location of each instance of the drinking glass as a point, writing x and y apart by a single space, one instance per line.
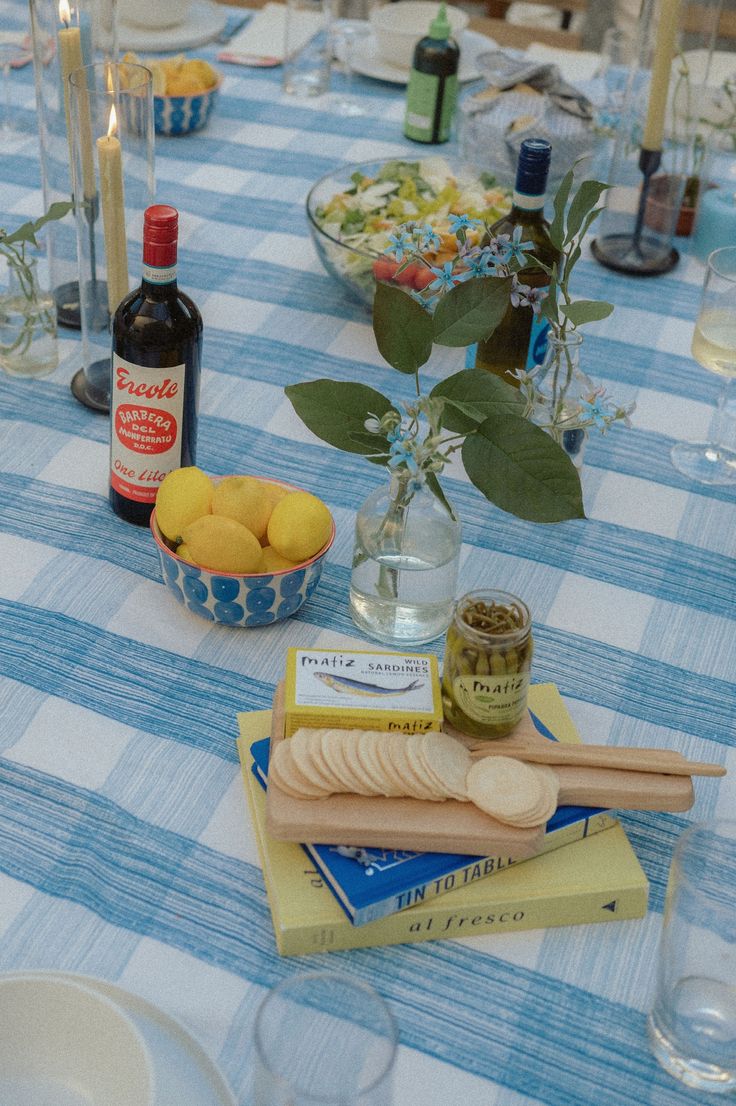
714 347
324 1039
692 1026
12 55
349 23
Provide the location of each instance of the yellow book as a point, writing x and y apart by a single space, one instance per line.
594 879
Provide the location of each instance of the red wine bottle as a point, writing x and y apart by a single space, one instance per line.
156 359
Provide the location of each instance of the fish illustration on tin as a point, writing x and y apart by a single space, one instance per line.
358 687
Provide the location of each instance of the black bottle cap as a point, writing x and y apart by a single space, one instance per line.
535 155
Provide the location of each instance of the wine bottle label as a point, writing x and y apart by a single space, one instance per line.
491 698
157 274
527 202
146 410
537 342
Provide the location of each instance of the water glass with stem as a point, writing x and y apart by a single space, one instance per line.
714 347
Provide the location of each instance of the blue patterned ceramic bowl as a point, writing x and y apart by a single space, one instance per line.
175 115
239 600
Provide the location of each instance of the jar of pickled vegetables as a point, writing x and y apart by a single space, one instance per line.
488 659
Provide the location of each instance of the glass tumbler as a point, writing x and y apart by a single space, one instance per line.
324 1039
692 1026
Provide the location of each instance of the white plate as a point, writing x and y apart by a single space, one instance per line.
205 21
367 61
184 1075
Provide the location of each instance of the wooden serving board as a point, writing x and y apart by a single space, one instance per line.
451 826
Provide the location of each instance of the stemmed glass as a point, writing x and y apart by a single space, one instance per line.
714 347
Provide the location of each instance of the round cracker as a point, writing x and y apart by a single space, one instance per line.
504 788
414 748
301 750
403 764
363 783
448 762
320 762
368 746
331 744
283 771
383 753
365 741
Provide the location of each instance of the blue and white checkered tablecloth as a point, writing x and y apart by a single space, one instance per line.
125 851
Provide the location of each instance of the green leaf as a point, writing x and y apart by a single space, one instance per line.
586 197
436 488
471 311
27 231
336 412
586 311
557 228
522 470
472 395
402 327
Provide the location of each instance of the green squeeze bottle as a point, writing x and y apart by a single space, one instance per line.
432 91
520 339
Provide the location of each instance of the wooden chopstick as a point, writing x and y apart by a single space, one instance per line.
602 756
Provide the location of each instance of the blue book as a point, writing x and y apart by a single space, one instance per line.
372 883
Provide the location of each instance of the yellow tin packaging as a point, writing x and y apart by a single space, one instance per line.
357 689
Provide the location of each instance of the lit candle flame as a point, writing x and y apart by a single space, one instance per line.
65 14
113 124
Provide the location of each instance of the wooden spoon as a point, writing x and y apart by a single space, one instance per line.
629 758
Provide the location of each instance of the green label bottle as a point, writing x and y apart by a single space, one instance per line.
432 93
520 339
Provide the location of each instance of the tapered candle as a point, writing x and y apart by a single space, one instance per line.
71 58
109 156
664 52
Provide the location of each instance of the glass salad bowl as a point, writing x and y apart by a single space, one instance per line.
353 209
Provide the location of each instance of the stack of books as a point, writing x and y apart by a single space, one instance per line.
325 897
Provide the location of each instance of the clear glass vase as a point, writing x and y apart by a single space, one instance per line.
28 344
561 387
405 562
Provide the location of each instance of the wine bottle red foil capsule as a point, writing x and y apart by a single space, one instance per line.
160 236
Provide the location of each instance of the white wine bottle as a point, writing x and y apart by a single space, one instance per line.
520 339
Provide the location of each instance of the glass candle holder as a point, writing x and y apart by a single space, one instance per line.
656 148
113 163
66 34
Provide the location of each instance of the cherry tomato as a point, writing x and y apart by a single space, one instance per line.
384 269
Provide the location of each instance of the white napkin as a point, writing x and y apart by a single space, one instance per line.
574 65
262 42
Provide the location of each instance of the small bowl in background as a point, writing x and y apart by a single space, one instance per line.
398 27
62 1041
177 115
240 599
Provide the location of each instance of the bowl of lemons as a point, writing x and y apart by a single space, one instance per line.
239 550
184 92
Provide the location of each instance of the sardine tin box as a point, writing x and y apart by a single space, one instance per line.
361 690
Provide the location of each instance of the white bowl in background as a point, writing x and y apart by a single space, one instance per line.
63 1044
398 27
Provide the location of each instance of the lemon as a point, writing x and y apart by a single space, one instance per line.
273 561
185 494
222 544
299 526
244 499
183 552
274 492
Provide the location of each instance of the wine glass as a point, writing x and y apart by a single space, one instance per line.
714 346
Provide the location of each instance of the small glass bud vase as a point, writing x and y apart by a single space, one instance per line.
28 344
561 387
405 563
487 665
